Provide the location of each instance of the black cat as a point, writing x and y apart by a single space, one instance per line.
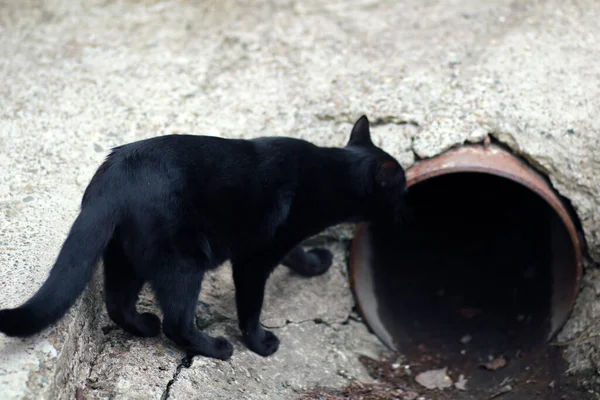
167 209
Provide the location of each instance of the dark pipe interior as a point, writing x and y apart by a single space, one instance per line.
475 259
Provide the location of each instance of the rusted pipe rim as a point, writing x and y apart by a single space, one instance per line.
491 160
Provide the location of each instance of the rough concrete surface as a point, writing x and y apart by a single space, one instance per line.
79 77
288 298
319 344
311 355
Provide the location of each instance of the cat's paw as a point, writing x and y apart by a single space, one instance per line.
320 260
263 344
218 347
148 325
223 348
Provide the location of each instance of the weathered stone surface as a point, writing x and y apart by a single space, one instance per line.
126 367
288 297
583 355
131 368
310 355
81 78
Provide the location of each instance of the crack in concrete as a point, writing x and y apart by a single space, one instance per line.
393 120
377 121
101 347
305 321
185 362
414 152
317 321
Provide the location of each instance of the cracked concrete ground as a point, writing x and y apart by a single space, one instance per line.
82 76
312 317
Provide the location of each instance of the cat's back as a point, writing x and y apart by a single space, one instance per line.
192 147
180 146
159 161
181 159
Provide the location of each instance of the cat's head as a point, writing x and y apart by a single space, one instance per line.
385 175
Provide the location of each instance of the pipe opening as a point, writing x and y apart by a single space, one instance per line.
475 261
488 267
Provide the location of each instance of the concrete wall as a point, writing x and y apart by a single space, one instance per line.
79 77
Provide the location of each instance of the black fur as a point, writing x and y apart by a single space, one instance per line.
167 209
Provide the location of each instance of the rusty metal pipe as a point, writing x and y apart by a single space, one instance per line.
566 265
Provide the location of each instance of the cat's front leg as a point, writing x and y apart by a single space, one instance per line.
177 287
250 277
308 263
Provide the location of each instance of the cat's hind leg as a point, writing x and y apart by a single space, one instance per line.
121 290
308 263
177 288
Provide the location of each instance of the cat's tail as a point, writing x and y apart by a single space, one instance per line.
74 268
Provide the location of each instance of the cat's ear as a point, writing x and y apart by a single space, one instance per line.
389 173
361 134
